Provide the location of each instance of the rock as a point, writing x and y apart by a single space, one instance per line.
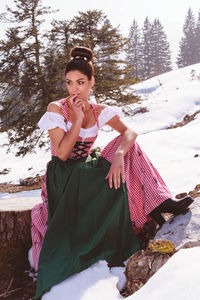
181 195
26 184
182 228
29 181
195 193
131 112
191 244
144 263
147 233
5 171
197 187
182 231
186 118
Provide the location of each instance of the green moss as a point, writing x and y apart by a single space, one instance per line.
162 246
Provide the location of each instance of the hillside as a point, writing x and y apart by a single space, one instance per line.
168 121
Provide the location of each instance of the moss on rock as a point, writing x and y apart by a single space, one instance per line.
162 246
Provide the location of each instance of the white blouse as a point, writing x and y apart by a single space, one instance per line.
51 120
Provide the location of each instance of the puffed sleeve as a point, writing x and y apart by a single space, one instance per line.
51 120
107 114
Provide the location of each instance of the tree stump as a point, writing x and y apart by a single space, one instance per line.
15 234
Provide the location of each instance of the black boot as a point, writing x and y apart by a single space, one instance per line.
175 207
156 216
171 206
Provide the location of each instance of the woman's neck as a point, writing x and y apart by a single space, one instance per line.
87 107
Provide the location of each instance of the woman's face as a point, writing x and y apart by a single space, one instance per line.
78 84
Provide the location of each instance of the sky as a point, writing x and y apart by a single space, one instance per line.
171 13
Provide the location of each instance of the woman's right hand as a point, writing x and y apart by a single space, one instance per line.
62 141
77 106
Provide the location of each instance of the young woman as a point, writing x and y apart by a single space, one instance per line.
92 207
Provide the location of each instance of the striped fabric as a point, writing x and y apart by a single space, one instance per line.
146 189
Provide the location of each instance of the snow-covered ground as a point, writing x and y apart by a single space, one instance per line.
175 153
178 279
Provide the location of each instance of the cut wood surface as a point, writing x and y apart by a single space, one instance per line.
18 203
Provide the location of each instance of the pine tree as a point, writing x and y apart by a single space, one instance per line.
93 29
160 52
187 47
25 86
134 53
57 49
146 48
156 56
32 66
197 38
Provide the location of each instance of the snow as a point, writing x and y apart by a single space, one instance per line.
175 153
25 194
97 283
177 280
21 167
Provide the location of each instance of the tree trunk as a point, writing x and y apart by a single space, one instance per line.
15 234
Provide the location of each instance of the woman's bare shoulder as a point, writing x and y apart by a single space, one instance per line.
54 107
101 107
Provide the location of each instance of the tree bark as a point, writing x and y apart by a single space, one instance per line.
15 234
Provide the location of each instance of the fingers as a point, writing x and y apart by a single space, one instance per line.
72 98
76 102
114 178
110 181
79 104
123 177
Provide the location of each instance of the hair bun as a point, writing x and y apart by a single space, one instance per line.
82 53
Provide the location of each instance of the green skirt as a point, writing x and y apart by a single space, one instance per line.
87 221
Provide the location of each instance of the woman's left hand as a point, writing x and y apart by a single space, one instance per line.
116 172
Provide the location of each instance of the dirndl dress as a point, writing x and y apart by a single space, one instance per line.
82 220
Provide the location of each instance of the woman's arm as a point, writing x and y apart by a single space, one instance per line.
128 138
64 142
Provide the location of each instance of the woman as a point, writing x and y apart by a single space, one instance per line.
93 203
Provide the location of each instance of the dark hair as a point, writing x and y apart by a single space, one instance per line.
81 60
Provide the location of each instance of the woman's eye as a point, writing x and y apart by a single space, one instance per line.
81 82
67 82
